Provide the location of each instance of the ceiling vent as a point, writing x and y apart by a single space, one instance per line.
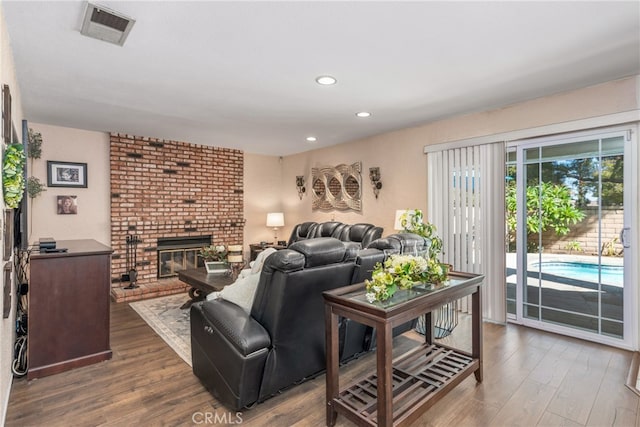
104 24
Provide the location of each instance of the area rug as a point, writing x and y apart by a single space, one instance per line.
169 321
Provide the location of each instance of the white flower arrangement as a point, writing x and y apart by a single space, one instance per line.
402 272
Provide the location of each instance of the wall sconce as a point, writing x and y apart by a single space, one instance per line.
300 185
374 176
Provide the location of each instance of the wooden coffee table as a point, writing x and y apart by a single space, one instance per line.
202 283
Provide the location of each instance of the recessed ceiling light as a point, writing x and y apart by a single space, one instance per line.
311 139
326 80
363 114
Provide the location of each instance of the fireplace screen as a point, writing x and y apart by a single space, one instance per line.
173 260
180 253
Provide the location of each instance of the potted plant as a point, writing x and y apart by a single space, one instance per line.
215 258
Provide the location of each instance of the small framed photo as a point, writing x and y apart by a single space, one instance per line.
66 174
67 205
216 267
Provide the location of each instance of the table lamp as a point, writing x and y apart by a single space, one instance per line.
275 220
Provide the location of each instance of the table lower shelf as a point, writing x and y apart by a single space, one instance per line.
420 378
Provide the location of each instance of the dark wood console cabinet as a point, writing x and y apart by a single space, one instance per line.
69 297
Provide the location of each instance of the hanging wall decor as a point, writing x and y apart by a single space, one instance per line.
337 187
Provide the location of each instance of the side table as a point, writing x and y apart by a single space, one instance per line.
202 283
256 248
414 381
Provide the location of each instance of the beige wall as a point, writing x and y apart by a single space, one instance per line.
7 326
262 194
402 162
403 176
93 220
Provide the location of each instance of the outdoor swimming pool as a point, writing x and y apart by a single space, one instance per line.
611 274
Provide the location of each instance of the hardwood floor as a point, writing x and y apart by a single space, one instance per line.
531 378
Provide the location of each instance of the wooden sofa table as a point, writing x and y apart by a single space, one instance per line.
202 283
401 389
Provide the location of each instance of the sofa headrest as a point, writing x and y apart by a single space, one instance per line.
303 229
401 243
357 232
284 260
321 251
410 241
326 229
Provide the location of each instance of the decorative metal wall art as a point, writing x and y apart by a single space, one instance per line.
337 187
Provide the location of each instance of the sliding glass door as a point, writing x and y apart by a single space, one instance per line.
568 235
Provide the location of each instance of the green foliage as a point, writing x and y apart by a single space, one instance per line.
402 272
609 248
413 222
612 193
213 253
549 206
34 151
597 178
573 246
12 179
34 187
34 147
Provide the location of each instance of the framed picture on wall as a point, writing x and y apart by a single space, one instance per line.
67 205
66 174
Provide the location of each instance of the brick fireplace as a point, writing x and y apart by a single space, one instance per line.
163 190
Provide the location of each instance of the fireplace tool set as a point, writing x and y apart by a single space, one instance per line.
131 256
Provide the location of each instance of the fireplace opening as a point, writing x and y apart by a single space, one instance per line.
179 253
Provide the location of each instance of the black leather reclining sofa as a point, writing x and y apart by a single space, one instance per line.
360 234
246 358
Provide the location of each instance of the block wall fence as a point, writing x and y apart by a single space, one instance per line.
585 233
162 188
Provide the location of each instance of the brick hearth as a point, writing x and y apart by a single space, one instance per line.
163 188
150 290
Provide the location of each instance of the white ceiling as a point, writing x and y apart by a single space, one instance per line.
241 74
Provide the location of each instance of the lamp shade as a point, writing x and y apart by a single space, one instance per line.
397 225
275 219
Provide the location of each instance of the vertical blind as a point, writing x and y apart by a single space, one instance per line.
466 202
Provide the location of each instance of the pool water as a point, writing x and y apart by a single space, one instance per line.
610 274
